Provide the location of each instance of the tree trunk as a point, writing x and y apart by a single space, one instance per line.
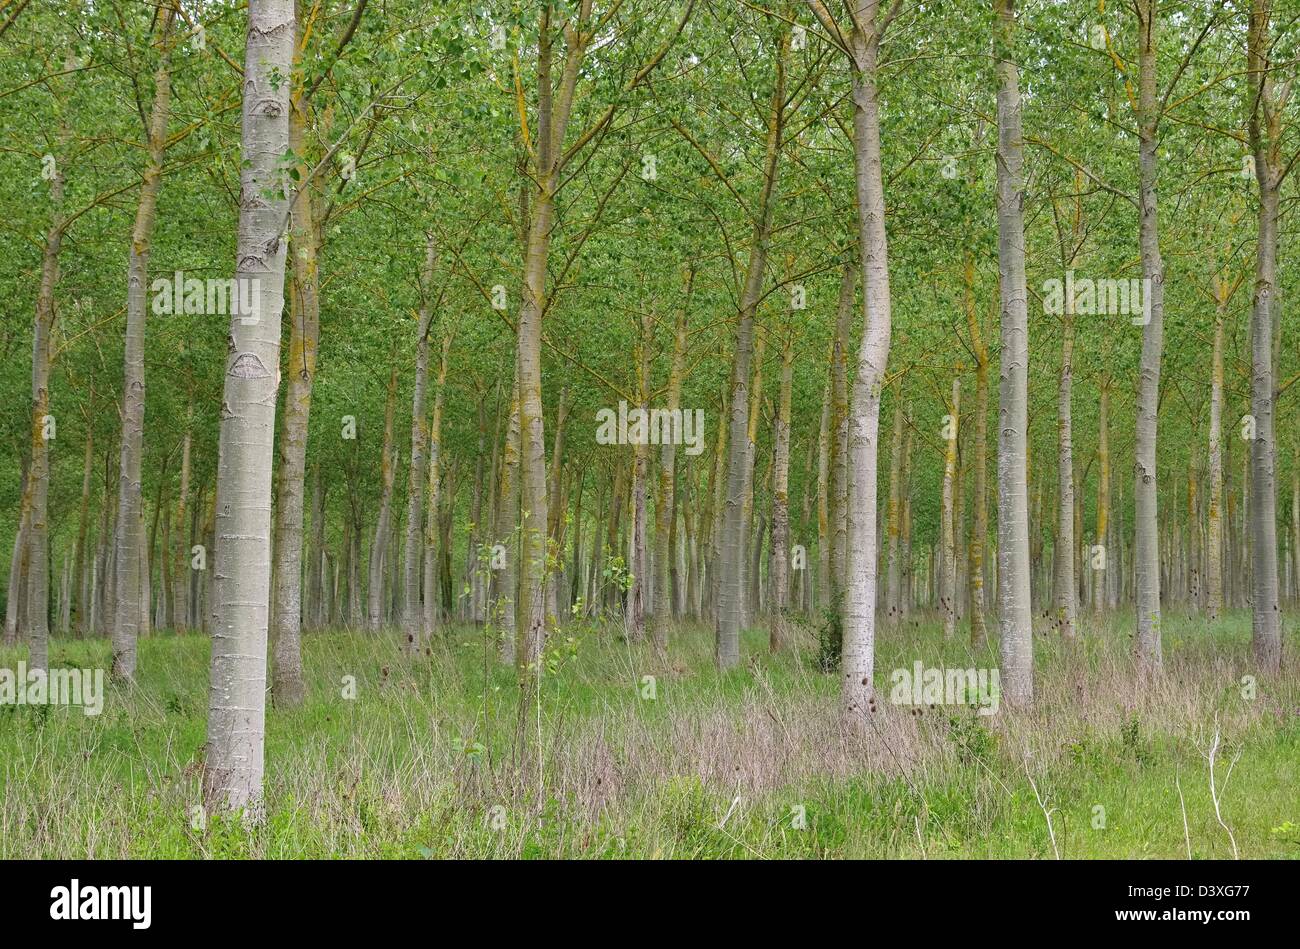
575 588
781 501
287 687
429 626
100 573
379 545
507 524
1266 145
65 597
980 529
893 566
1295 524
16 591
665 494
1146 547
636 567
472 555
35 607
317 607
1015 619
1063 549
556 506
905 541
413 617
127 619
838 430
947 538
752 534
180 558
859 611
1100 584
79 575
803 600
232 776
824 501
731 552
355 620
163 611
146 577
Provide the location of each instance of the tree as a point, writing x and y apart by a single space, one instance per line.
232 777
1017 642
862 46
130 536
1265 123
1146 545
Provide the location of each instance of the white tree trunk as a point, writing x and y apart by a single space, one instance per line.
232 776
129 617
1146 546
857 661
412 616
947 532
1015 618
1265 138
1066 592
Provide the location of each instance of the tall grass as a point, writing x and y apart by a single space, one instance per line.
429 758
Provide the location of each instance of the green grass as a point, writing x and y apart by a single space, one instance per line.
427 759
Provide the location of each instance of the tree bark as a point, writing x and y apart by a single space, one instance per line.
731 553
79 575
838 452
16 591
473 552
1014 565
232 776
429 626
980 529
665 495
127 620
781 501
1266 145
1146 547
379 545
859 612
287 686
893 512
507 524
413 617
556 507
947 536
180 557
824 501
752 534
1295 523
1101 582
1063 549
35 606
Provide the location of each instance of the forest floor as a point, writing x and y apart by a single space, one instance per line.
425 760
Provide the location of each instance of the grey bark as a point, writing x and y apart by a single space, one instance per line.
1265 140
1146 545
412 615
379 544
1013 504
128 618
241 575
